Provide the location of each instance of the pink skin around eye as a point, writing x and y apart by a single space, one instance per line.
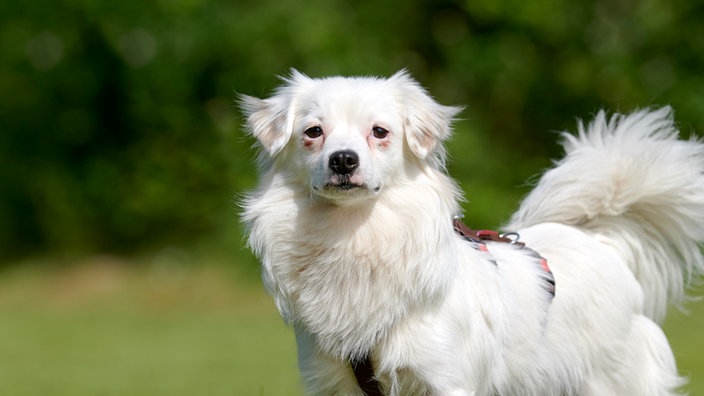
312 137
380 137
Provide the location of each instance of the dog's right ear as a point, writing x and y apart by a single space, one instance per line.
270 120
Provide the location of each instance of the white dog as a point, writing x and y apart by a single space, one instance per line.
353 223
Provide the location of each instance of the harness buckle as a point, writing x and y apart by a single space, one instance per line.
513 237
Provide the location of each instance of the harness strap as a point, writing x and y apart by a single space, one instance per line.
484 235
364 372
479 237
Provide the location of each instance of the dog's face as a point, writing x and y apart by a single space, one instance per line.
349 138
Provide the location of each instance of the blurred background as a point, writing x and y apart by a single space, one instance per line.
122 264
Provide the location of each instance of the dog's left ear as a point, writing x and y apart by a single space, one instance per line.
270 120
428 123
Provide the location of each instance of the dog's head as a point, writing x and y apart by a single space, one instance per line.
349 137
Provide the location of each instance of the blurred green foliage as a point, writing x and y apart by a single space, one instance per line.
119 131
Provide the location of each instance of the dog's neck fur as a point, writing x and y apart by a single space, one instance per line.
327 268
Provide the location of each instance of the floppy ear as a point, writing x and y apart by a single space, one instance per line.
428 123
270 120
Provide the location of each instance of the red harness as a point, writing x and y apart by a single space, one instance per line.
478 238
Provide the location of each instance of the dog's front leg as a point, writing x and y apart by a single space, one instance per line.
323 374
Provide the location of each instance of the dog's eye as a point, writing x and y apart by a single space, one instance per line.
380 133
314 132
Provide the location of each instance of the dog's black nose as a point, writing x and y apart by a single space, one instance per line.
344 162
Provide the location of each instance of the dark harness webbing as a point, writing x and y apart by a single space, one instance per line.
364 372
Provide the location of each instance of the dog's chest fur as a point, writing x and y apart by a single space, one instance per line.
347 274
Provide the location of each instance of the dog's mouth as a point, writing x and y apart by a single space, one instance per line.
343 183
343 186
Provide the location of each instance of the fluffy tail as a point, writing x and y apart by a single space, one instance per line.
630 179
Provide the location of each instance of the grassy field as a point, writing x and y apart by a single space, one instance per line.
103 327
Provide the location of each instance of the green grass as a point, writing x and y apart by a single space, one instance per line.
686 334
106 327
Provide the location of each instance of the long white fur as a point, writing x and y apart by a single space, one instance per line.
378 270
629 181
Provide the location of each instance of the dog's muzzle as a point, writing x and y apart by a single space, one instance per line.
343 179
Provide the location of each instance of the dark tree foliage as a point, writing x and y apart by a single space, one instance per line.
119 130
